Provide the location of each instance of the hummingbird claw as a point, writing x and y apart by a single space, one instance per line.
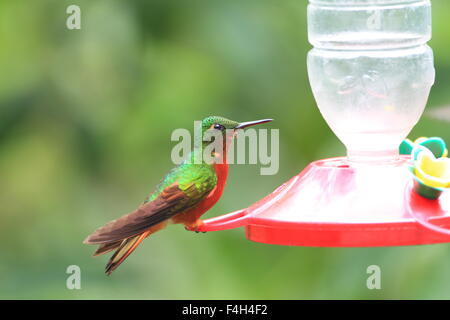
197 227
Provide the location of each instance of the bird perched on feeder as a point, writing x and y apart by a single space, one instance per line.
182 197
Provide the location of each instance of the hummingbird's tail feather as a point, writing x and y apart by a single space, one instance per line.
171 201
125 249
107 247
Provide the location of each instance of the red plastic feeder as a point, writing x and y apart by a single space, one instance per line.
330 204
371 84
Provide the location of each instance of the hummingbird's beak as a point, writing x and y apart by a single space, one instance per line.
243 125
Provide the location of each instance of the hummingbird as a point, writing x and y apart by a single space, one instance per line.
187 192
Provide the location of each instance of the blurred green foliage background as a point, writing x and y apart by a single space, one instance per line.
85 123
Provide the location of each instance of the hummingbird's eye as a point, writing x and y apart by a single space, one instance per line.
219 127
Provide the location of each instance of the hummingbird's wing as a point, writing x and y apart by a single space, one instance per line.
174 199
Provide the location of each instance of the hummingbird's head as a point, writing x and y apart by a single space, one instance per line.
224 124
226 128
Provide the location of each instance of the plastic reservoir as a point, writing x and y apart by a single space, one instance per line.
370 71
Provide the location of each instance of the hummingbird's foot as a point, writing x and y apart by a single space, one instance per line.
196 226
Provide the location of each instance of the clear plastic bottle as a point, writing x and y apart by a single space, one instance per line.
371 71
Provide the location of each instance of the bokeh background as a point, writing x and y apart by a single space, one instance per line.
85 123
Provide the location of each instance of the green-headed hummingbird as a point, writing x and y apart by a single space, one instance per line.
183 196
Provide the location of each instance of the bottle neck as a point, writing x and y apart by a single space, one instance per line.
384 157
